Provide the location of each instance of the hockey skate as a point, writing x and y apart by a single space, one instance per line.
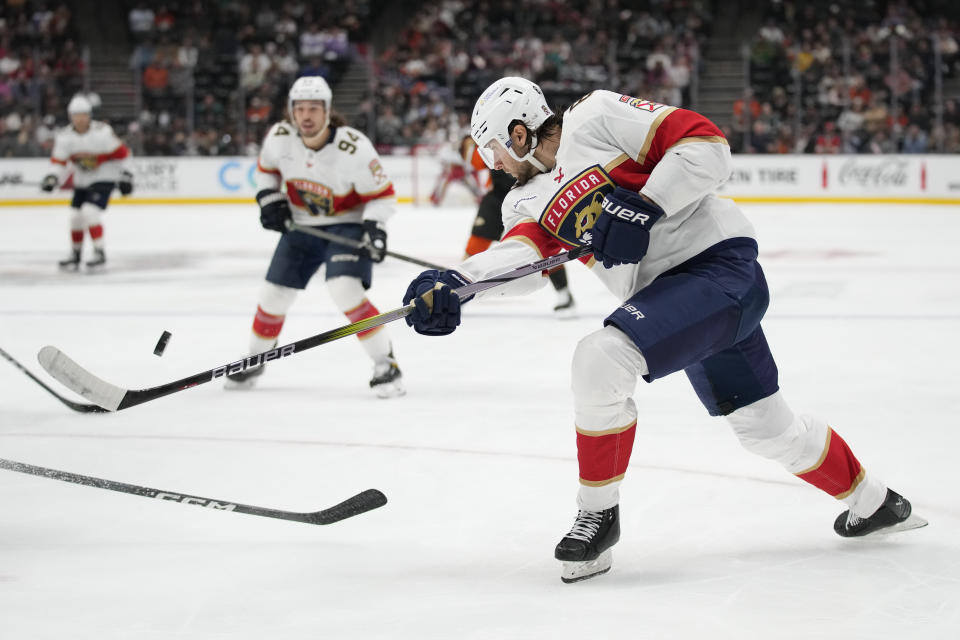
585 551
387 381
71 262
98 260
566 308
895 514
243 379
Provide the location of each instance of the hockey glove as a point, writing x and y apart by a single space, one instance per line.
622 231
376 240
125 183
49 183
274 210
437 307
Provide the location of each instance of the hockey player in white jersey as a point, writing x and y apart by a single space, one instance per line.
318 172
99 161
637 181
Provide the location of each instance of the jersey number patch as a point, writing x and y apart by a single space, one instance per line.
349 147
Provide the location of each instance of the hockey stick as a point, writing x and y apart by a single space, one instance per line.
350 242
353 506
76 406
356 244
114 398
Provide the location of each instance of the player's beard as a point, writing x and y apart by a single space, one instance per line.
525 173
314 137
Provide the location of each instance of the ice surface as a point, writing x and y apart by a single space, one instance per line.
478 460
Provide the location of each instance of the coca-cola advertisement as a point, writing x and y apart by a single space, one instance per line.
872 175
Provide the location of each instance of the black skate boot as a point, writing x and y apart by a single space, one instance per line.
387 381
98 260
244 379
71 262
895 514
585 551
565 308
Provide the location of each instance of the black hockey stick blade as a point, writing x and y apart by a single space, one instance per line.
364 501
80 407
353 506
350 242
114 398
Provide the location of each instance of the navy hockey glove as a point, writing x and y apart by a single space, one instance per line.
438 315
49 183
125 183
622 231
376 240
274 210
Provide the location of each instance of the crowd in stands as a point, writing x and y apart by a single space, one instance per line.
850 77
41 67
428 80
232 63
826 76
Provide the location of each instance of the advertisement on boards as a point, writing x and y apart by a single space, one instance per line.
754 178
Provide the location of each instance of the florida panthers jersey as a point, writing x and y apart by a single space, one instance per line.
97 155
675 157
344 181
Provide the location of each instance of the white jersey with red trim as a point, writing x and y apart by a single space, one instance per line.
676 157
344 181
96 155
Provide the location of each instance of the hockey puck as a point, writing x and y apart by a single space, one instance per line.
161 343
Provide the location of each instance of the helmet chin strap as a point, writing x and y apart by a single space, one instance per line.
529 156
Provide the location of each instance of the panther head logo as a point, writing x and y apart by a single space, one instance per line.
587 216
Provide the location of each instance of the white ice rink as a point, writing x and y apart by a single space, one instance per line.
478 460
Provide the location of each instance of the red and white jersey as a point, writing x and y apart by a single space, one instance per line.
676 157
97 155
344 181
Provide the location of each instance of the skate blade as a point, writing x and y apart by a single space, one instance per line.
913 522
569 313
243 385
389 390
579 571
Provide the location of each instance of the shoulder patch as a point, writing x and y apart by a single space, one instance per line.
376 169
281 131
640 103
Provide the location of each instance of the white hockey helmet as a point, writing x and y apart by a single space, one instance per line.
79 104
311 88
504 101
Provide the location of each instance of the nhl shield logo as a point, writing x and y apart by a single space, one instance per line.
576 205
